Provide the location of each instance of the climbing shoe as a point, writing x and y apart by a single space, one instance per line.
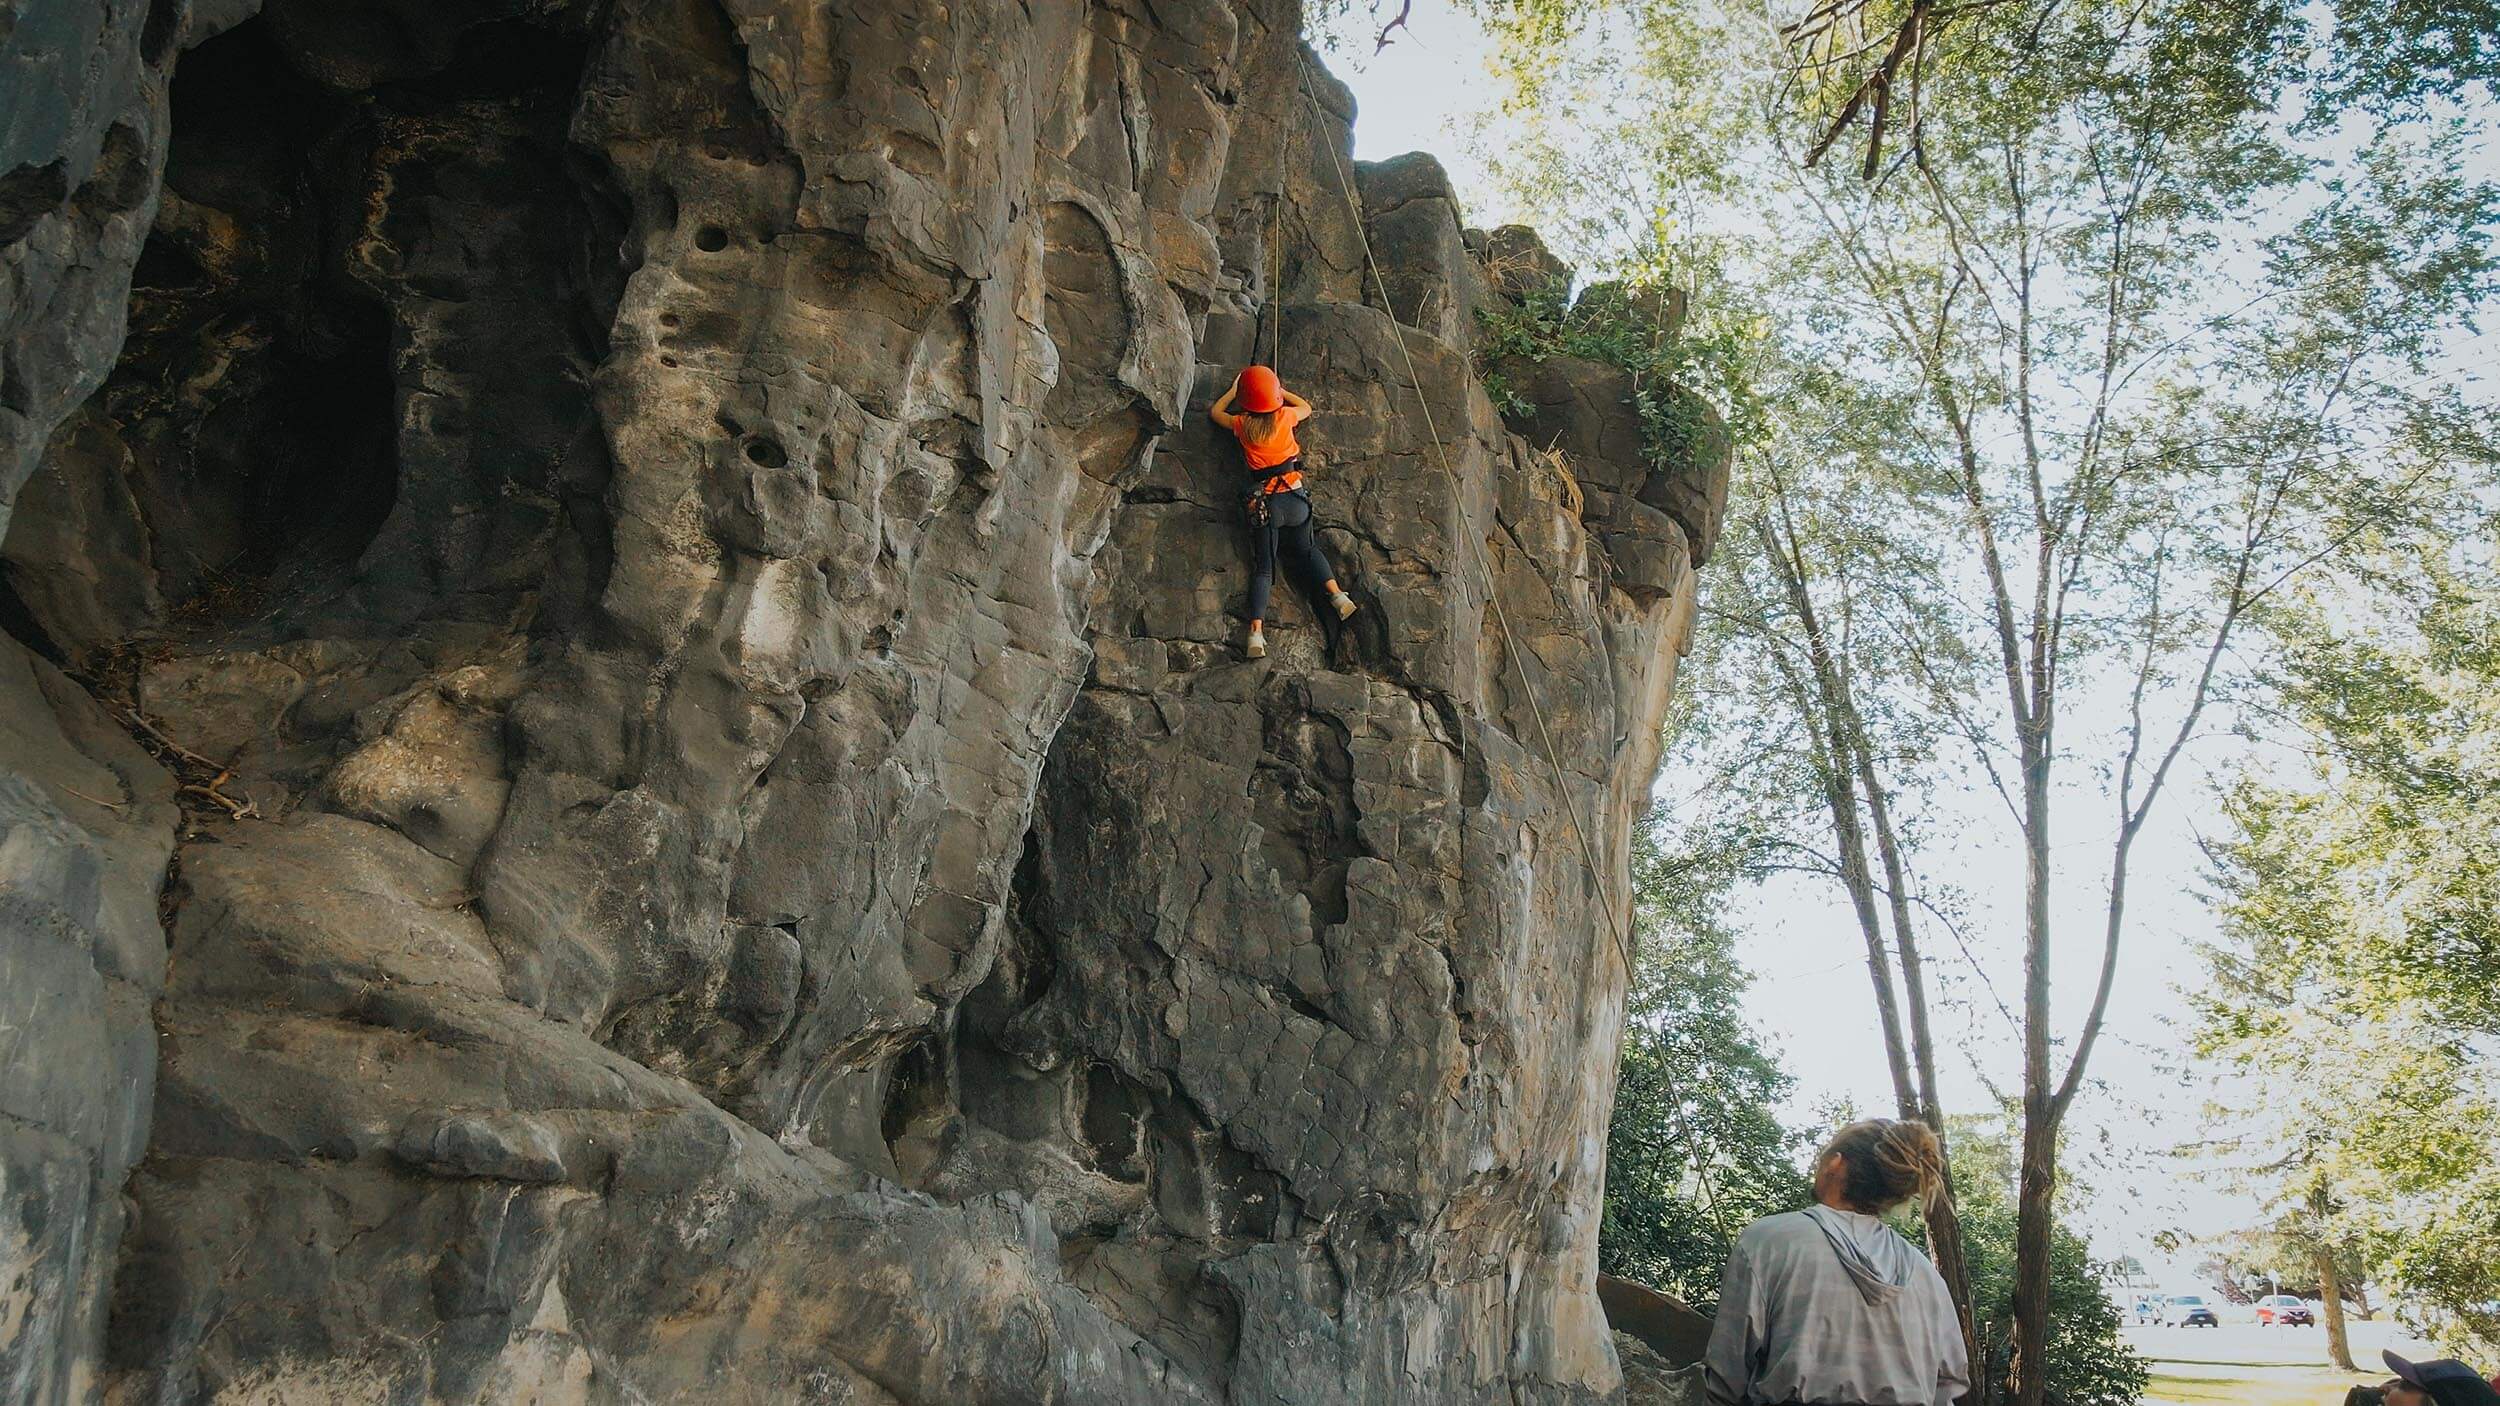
1256 647
1344 604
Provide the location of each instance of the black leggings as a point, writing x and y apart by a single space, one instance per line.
1300 549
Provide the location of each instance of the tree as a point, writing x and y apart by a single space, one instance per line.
1843 753
2264 1253
1862 66
2355 895
1695 1151
2086 1360
1778 604
1796 624
2303 1252
2133 410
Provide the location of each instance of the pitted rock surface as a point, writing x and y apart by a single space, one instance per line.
628 774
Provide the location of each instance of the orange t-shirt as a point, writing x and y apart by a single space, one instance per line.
1278 446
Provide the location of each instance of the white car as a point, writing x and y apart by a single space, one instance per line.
2188 1311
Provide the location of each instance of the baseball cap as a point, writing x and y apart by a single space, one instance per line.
2446 1380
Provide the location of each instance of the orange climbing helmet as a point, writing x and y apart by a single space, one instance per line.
1261 394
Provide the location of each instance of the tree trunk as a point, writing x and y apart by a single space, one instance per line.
1944 1221
1825 714
2032 1222
2331 1303
1846 754
1944 1242
2034 1203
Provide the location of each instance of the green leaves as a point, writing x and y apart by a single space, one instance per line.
2140 335
2089 1363
1694 1152
2368 886
1611 324
2389 58
2359 930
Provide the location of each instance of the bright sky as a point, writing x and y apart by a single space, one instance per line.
1811 996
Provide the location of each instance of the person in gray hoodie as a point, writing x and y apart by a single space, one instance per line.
1828 1305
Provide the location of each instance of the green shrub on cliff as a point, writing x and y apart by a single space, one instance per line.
1623 326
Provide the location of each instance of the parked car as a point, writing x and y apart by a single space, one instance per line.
2188 1311
2284 1311
2147 1310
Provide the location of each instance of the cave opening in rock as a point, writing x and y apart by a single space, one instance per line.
1114 1123
521 62
359 311
919 1121
269 369
19 622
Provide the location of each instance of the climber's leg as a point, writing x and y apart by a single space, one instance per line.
1262 580
1299 546
1304 559
1262 570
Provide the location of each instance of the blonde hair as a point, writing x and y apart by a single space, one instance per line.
1258 426
1885 1162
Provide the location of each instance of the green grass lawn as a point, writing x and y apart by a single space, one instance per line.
2318 1386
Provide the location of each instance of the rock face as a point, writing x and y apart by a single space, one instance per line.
626 776
1659 1342
1651 1380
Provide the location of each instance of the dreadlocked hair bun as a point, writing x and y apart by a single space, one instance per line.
1886 1162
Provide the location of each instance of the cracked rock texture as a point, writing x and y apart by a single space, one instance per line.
625 773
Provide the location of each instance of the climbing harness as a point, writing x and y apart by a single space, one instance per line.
1501 617
1260 505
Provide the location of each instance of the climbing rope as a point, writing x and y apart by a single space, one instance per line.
1276 293
1484 565
1276 249
1276 278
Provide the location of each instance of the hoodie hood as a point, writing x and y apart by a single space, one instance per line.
1879 1261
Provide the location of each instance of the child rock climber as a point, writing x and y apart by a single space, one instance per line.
1279 508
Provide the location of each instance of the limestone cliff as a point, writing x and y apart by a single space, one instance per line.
625 776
